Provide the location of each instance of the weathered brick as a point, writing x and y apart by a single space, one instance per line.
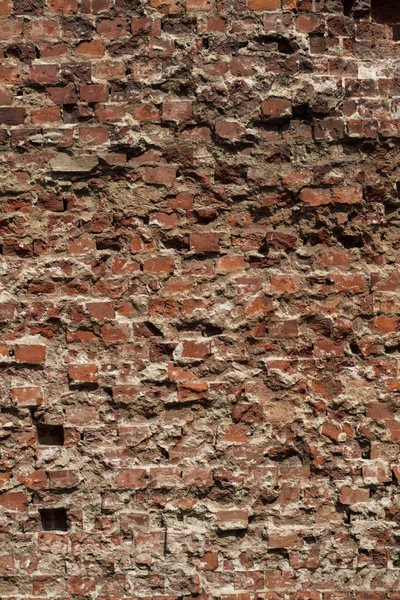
14 501
44 73
200 315
30 354
233 519
275 109
27 395
132 479
204 242
82 373
94 93
177 110
12 116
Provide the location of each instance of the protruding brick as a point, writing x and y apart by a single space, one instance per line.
27 396
230 130
177 110
276 109
81 373
229 520
204 242
30 354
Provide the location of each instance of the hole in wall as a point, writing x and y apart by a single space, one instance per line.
385 11
396 33
54 519
348 7
50 435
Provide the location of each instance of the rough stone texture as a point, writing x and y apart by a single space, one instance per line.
200 304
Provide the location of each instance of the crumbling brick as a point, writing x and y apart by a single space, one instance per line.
199 306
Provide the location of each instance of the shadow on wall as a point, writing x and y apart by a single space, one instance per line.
385 12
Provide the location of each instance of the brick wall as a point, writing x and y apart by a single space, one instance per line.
200 298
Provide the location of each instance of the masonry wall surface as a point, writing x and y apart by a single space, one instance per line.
200 298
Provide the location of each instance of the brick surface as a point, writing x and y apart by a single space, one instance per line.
199 305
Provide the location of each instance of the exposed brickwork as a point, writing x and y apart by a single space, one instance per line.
200 304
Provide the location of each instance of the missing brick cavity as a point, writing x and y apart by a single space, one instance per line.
54 519
50 435
386 12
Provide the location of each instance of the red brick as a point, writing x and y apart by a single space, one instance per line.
315 197
177 111
15 501
166 7
275 109
307 23
44 73
147 113
208 562
82 245
355 284
146 26
42 29
63 479
350 495
204 242
199 6
163 220
82 373
334 259
49 114
216 24
64 7
165 477
6 97
80 586
199 231
63 94
27 396
93 136
160 175
12 116
36 480
11 29
112 28
231 264
376 473
94 49
384 324
101 310
192 391
30 354
132 479
197 348
184 200
95 7
264 4
97 92
380 410
10 74
328 349
113 334
348 195
230 130
229 520
162 264
281 283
